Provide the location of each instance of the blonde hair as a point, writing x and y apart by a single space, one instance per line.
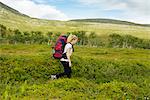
71 38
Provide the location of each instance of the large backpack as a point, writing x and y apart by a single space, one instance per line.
59 47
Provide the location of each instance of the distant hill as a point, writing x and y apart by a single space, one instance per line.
14 19
113 21
11 10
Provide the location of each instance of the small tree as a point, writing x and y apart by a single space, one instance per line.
26 37
91 39
17 36
50 38
115 40
3 30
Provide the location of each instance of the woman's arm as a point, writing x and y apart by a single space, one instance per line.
69 53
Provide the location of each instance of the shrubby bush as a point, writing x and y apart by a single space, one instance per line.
127 41
94 76
93 40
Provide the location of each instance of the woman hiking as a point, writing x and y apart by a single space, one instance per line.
66 60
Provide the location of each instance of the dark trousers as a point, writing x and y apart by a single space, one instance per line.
67 70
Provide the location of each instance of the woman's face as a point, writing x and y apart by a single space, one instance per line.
74 41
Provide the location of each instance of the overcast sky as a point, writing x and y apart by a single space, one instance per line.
129 10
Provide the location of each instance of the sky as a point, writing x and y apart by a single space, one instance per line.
137 11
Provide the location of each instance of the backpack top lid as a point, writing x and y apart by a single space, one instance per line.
63 37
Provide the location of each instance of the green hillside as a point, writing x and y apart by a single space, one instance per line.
3 6
16 20
97 73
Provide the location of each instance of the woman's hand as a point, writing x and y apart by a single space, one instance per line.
69 63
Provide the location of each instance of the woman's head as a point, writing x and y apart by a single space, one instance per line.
72 39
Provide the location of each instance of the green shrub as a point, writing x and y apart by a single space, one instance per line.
97 73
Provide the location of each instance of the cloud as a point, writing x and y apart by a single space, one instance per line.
47 1
137 5
36 10
40 1
132 10
105 4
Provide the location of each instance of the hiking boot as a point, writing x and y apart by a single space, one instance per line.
53 77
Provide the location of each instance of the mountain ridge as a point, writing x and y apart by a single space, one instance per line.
106 20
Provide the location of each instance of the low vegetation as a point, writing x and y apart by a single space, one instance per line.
98 73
